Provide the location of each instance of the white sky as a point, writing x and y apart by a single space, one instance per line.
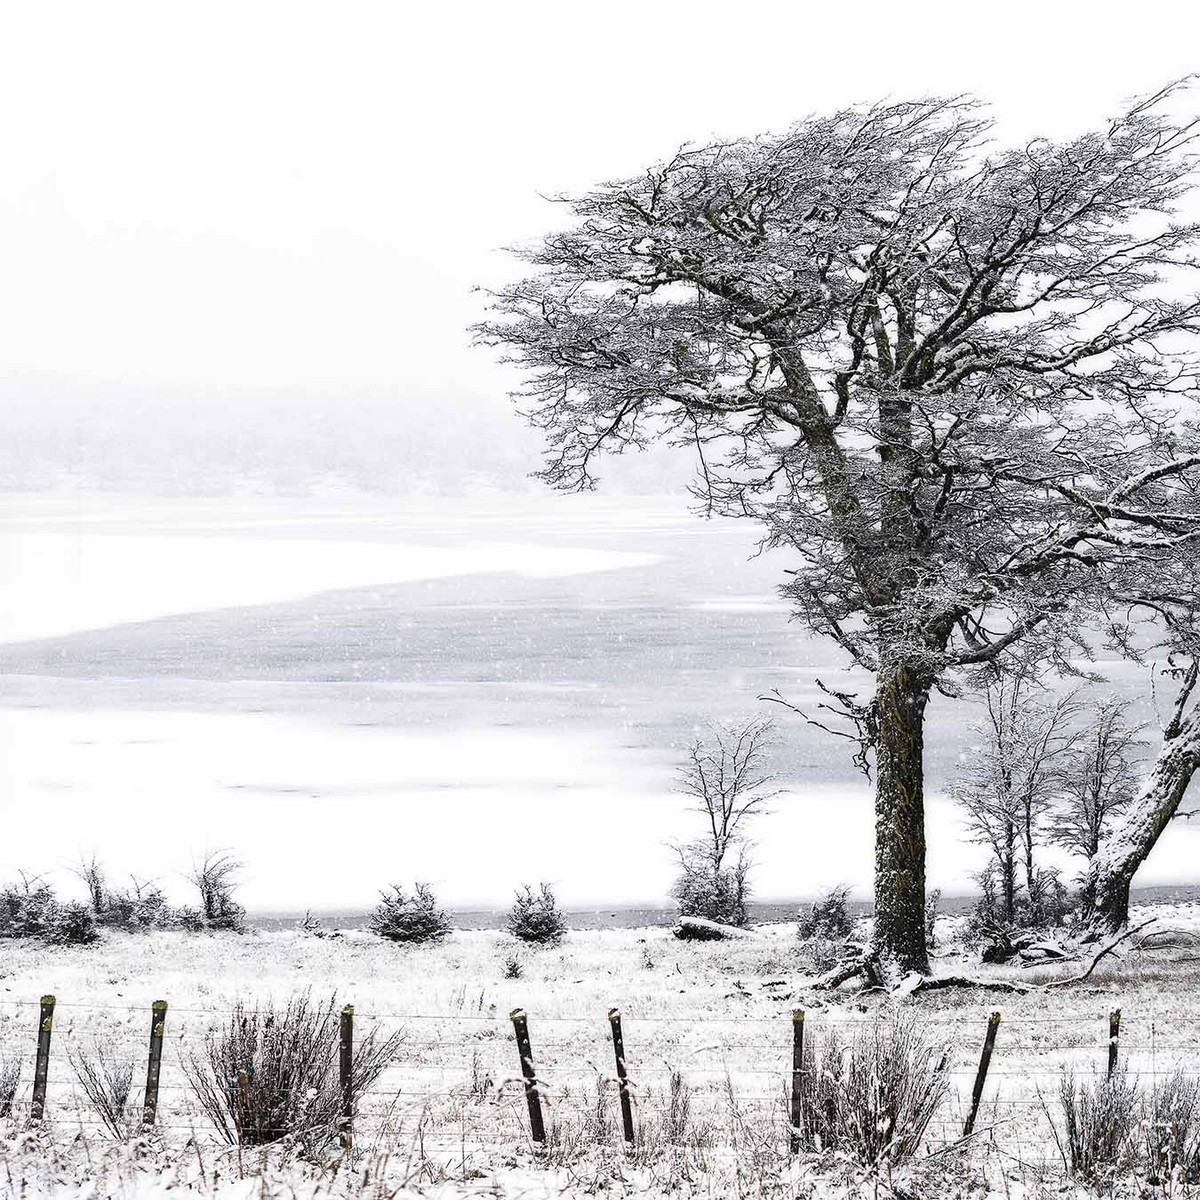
211 199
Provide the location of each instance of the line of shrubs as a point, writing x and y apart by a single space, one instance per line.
31 909
415 916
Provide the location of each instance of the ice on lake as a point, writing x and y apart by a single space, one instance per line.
352 692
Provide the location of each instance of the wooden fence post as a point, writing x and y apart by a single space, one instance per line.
794 1112
614 1019
41 1070
346 1075
1114 1037
158 1020
989 1044
521 1028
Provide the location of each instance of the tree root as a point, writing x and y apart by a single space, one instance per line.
866 964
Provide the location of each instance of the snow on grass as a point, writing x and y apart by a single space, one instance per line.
718 1014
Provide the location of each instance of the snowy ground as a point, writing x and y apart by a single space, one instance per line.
449 1112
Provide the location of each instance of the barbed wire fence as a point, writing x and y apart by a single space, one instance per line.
494 1081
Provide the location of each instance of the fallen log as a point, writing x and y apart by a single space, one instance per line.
698 929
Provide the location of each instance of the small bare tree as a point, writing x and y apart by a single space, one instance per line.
91 872
1009 782
727 777
215 878
1099 780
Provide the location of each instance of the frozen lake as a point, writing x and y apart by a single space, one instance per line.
354 691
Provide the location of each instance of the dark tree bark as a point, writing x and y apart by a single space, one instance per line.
1008 874
899 940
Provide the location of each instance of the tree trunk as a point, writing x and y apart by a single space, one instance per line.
901 695
1140 827
1027 846
1008 874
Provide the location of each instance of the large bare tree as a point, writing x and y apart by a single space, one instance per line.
937 372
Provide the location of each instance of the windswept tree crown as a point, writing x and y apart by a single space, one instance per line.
958 380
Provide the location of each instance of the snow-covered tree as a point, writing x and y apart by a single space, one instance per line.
1098 781
727 777
1010 779
941 374
1168 595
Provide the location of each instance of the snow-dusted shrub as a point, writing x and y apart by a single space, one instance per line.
1099 1120
73 925
872 1097
27 909
823 930
10 1080
1048 907
827 917
715 893
136 911
535 917
216 879
107 1082
187 918
401 917
272 1073
513 968
1171 1129
311 926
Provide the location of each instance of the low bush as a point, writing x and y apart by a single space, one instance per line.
188 919
10 1080
1172 1132
74 925
28 909
873 1097
216 878
1099 1121
715 893
138 910
108 1084
535 917
823 930
272 1074
828 916
401 917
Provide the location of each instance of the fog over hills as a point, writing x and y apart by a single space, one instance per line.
173 444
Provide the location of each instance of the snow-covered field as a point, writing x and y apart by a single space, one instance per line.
449 1117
